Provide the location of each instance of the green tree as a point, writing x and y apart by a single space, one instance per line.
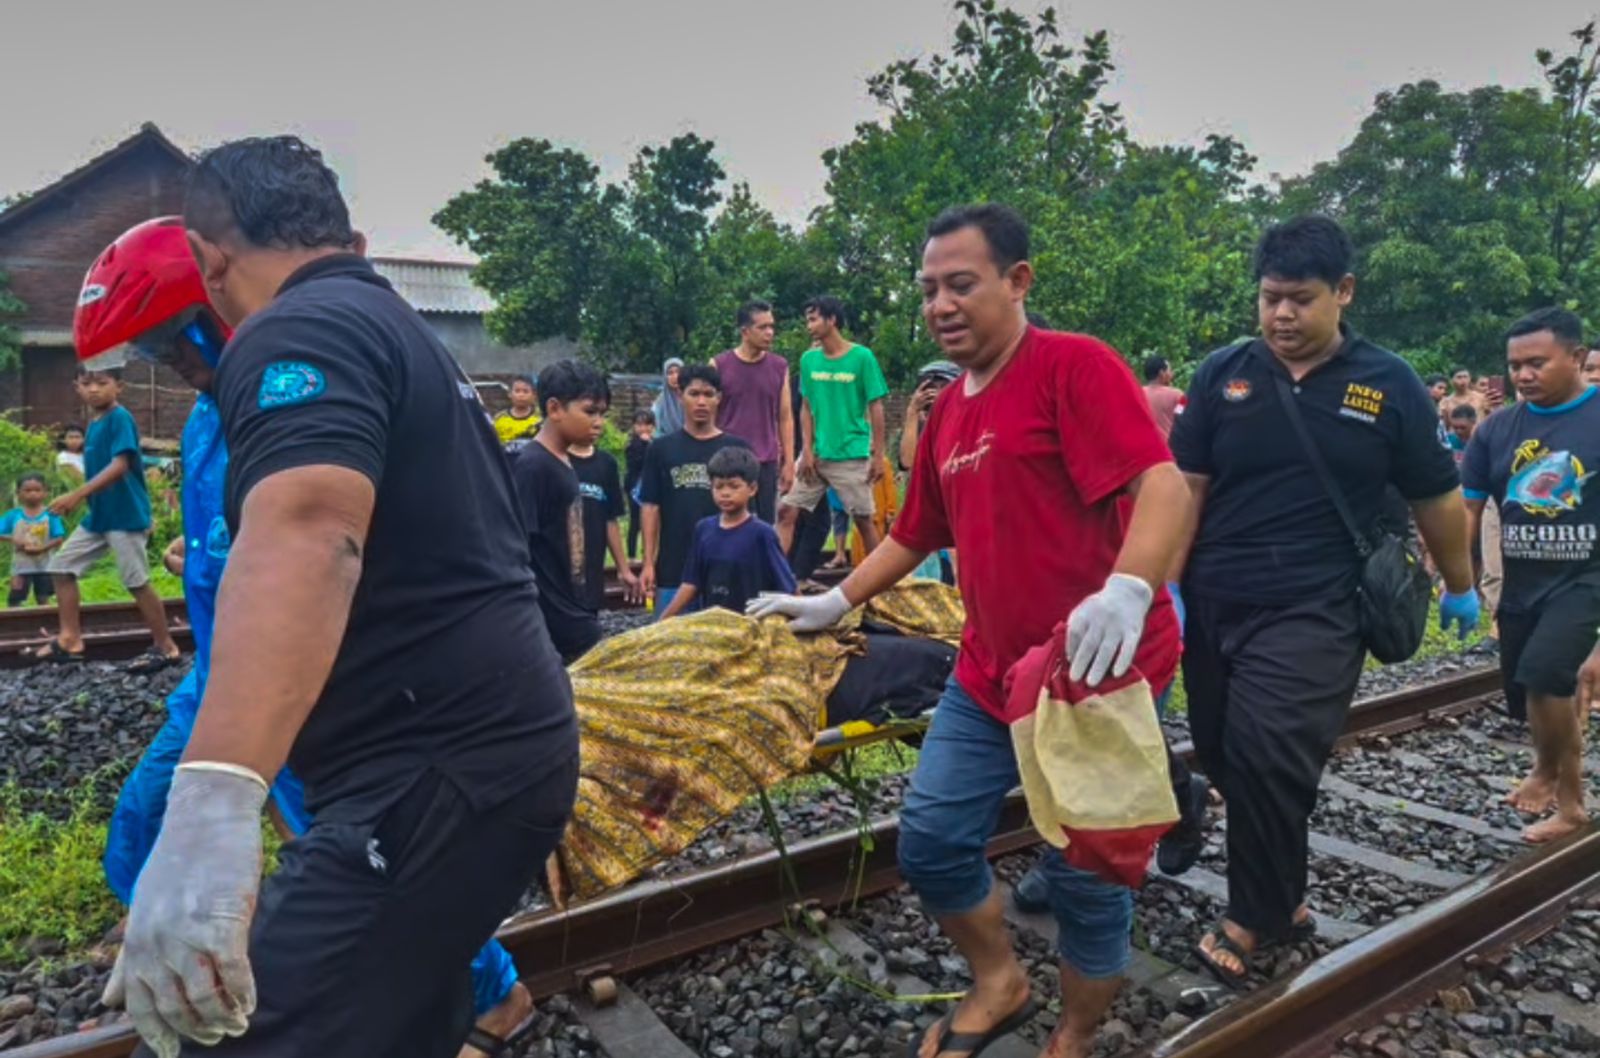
1141 246
1469 208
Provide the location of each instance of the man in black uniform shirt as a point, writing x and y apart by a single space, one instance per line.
1272 645
378 628
574 396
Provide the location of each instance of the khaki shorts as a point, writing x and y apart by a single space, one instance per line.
847 477
84 548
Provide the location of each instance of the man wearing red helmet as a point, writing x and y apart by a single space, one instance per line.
413 686
159 308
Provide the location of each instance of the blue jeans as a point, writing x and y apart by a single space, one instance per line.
136 822
966 768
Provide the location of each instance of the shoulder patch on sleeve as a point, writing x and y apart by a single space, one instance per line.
289 382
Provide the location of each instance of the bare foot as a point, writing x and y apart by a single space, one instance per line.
1556 827
1229 962
1063 1044
983 1008
504 1019
1535 796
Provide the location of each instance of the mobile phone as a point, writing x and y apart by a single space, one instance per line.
1497 388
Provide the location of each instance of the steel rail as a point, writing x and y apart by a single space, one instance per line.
660 920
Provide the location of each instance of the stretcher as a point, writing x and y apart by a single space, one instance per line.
684 721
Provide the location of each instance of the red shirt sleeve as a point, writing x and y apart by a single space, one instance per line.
1108 436
922 524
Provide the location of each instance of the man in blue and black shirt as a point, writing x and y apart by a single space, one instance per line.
1536 459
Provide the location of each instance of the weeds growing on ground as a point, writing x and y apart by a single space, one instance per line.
51 884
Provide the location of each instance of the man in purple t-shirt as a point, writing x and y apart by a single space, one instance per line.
755 403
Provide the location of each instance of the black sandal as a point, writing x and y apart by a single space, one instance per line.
55 654
494 1046
152 661
1221 942
972 1044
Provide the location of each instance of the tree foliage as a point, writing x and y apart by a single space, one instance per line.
1469 208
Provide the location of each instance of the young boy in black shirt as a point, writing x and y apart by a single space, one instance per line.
734 556
575 396
600 491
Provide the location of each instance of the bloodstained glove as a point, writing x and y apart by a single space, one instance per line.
808 613
1459 610
1103 631
184 968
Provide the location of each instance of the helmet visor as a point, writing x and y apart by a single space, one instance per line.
164 343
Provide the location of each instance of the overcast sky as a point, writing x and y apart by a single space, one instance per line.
407 98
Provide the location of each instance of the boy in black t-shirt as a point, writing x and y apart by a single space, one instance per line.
1536 459
575 396
600 490
639 438
734 556
675 488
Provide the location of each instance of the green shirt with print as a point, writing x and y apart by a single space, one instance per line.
838 390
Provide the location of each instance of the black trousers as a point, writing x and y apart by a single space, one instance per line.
1268 690
362 940
767 493
635 526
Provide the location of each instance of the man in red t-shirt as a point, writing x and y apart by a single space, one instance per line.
1166 400
1052 431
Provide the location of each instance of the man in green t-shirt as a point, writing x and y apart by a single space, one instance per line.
841 424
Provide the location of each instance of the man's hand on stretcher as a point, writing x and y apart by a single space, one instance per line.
806 613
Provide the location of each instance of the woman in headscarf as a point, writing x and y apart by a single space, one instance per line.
668 407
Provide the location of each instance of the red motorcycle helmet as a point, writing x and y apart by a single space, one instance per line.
145 285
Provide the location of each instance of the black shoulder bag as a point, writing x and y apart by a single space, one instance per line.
1395 588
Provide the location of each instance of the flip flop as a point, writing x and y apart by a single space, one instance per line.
972 1044
496 1046
1225 944
55 654
152 661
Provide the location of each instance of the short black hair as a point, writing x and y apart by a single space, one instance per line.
1462 369
644 415
71 427
1153 366
1563 323
1003 229
113 373
747 312
1464 411
699 372
828 307
1307 247
570 380
274 191
734 461
1434 380
1037 319
526 380
32 475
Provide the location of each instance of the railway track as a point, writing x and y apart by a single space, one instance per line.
594 946
114 631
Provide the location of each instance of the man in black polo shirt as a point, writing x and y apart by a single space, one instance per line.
377 627
1272 644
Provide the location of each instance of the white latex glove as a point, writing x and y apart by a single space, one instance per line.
1103 631
184 968
808 613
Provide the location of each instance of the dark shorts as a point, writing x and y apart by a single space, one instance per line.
1542 650
42 585
363 937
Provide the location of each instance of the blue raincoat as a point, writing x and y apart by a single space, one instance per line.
136 820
